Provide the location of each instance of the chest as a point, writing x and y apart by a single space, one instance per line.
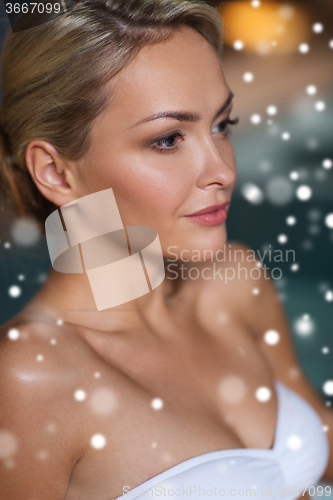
177 399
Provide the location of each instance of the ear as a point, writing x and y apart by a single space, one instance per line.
54 177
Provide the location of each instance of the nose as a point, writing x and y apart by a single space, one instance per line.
217 164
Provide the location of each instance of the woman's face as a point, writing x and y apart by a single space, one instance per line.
162 170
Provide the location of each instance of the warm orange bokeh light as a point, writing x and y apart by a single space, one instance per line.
271 28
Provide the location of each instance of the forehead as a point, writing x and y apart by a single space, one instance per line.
182 73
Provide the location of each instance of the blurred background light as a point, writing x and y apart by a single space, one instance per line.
304 193
255 119
304 325
267 27
25 231
279 190
252 193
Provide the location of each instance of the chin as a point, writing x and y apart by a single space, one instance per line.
198 247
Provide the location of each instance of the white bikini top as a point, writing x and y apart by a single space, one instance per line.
297 460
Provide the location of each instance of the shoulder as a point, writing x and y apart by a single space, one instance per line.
45 371
41 349
236 269
238 281
41 430
38 377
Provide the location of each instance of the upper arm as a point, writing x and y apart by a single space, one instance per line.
39 443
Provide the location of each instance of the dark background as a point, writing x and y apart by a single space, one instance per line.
264 159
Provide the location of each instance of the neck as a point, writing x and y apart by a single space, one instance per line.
68 297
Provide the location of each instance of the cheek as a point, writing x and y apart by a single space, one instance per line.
159 186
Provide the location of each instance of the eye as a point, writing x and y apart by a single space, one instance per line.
168 143
223 127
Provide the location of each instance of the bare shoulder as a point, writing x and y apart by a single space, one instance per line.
41 428
37 355
236 272
255 289
237 283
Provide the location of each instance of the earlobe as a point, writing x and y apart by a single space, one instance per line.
50 173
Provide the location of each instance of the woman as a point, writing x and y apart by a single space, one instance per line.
177 389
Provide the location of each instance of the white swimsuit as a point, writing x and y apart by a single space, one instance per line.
297 460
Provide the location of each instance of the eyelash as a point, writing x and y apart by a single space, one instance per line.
162 150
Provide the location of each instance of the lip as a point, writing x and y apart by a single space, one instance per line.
210 216
209 209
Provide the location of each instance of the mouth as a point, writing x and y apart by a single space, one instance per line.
210 216
210 209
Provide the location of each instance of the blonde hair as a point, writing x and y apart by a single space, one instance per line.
53 76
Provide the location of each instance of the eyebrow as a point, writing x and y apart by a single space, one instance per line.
185 116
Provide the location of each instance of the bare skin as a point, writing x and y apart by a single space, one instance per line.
177 343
